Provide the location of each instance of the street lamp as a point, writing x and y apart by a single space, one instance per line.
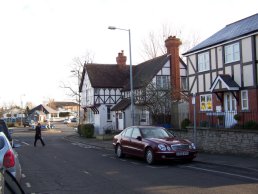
131 69
79 109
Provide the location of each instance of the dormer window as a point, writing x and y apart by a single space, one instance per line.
203 62
232 53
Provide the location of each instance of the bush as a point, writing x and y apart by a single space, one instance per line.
86 130
251 125
237 117
10 125
185 123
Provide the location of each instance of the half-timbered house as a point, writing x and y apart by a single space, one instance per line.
105 88
222 74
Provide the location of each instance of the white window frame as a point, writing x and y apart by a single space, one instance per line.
162 82
109 113
244 98
232 52
184 83
206 97
203 62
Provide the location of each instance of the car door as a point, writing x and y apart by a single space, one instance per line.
137 145
125 140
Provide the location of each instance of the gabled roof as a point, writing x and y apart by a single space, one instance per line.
121 105
107 76
227 82
232 31
144 72
44 108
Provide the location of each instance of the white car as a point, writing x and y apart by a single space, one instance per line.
66 121
9 157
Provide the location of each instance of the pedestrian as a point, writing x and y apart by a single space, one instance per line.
38 135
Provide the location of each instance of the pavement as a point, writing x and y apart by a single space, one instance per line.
239 161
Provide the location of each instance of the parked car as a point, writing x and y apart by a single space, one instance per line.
74 120
5 130
9 157
67 121
153 144
28 123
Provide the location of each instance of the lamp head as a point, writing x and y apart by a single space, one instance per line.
111 27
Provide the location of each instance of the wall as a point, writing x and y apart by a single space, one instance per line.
241 142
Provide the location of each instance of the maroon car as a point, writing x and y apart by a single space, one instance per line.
153 143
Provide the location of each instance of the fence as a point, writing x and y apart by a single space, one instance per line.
230 119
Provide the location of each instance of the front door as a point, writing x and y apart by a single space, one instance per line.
230 109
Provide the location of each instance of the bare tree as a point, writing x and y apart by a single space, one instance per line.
77 65
153 45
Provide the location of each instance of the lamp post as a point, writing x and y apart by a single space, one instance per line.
22 109
131 69
79 108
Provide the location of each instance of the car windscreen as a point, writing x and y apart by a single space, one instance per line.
155 133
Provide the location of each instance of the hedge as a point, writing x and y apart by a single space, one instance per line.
86 130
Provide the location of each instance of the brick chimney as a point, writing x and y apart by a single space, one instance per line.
121 59
172 43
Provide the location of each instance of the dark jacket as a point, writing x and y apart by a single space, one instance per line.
38 130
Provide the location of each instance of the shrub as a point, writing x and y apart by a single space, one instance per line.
237 117
87 130
185 123
10 125
251 125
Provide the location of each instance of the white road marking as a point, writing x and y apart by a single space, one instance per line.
28 185
86 172
23 175
220 172
25 143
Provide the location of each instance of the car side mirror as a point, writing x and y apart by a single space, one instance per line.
139 138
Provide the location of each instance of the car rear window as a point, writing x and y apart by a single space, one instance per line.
2 142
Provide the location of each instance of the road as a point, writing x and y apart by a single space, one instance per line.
63 167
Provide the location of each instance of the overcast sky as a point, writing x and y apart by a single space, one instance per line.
40 38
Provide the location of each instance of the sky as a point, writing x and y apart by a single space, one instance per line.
40 38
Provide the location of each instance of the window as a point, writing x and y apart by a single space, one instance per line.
232 53
162 82
244 100
206 102
108 113
128 132
183 83
203 62
136 133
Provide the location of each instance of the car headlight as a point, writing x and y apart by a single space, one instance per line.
162 147
192 146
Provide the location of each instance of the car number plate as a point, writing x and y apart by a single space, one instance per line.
182 153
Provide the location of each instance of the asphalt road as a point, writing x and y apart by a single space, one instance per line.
63 167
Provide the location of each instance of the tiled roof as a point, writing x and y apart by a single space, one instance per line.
237 29
58 104
42 107
144 72
107 76
121 105
227 80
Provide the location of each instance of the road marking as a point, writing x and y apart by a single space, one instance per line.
23 175
28 185
25 143
220 172
86 172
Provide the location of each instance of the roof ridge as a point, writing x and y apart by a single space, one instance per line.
241 20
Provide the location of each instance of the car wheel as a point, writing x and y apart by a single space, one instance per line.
119 152
149 156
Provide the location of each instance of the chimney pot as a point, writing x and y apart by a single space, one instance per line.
121 59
